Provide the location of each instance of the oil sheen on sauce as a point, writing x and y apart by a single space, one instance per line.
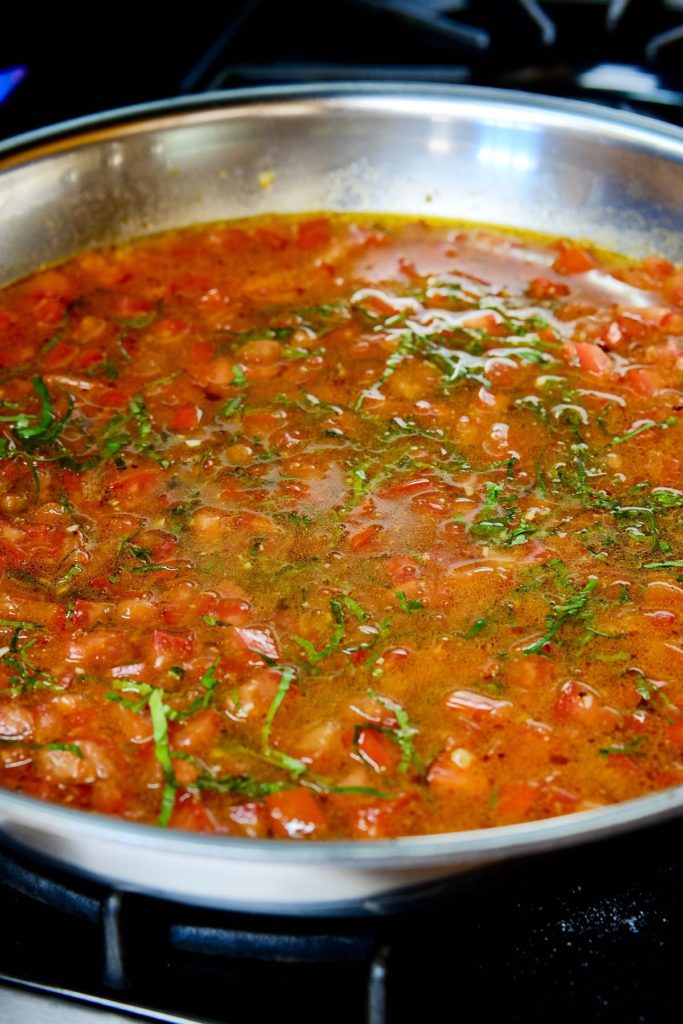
342 526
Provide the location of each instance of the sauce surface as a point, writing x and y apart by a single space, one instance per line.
341 526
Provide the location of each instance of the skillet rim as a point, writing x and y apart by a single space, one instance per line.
448 847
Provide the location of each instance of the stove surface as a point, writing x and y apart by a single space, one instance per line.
593 933
628 53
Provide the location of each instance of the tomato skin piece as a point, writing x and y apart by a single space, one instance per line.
295 814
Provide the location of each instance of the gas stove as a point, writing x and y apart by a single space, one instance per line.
589 934
593 933
626 53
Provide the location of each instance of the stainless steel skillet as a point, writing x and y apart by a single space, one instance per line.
482 155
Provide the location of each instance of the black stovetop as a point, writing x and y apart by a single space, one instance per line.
593 934
583 934
627 53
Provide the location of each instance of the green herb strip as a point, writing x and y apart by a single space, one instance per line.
403 733
576 608
290 764
408 605
312 653
152 697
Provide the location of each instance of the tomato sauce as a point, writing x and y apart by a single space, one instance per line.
341 526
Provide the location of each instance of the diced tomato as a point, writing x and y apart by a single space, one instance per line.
401 569
89 358
99 647
378 749
169 329
643 380
233 610
51 282
573 259
133 484
673 323
16 722
111 398
186 417
198 353
261 425
476 703
190 814
59 356
314 234
381 820
364 538
674 732
256 640
622 763
186 773
590 358
319 745
579 704
249 819
132 307
515 800
415 486
673 288
254 697
85 614
541 288
295 814
260 352
658 267
177 645
273 237
458 771
198 732
530 671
